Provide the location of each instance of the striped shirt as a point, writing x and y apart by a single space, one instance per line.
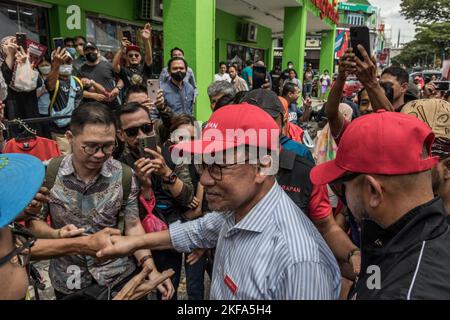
275 252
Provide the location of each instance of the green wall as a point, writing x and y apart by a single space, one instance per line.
189 24
227 30
122 9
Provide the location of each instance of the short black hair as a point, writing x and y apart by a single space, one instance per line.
222 63
135 88
249 62
129 108
80 37
288 88
176 49
176 59
91 113
68 40
290 62
398 72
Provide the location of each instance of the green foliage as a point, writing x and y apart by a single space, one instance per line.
426 11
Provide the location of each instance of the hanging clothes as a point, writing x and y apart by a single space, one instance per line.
42 148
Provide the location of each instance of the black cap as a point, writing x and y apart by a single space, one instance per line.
266 100
90 45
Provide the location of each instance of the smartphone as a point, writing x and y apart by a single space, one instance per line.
388 90
360 35
259 77
152 89
147 142
58 43
21 40
442 85
127 34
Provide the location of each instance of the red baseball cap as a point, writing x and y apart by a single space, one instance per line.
133 48
233 126
385 143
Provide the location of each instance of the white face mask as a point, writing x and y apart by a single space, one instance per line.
65 70
45 70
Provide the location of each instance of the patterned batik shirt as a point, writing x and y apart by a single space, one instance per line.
93 206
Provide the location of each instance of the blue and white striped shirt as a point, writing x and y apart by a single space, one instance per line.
275 252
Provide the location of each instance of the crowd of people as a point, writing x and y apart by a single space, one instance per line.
362 215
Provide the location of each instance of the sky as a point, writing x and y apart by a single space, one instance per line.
390 12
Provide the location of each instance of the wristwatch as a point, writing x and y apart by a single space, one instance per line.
172 178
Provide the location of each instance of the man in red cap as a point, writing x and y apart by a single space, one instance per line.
266 247
382 171
135 72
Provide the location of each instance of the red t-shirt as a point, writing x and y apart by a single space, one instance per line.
319 203
42 148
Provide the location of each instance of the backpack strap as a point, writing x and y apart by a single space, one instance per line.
55 93
79 82
52 172
127 178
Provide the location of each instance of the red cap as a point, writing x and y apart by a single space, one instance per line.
385 143
233 126
133 48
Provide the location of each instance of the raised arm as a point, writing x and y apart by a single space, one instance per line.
118 56
335 118
147 37
367 75
59 58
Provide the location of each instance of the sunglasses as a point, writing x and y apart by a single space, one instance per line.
338 186
134 131
136 55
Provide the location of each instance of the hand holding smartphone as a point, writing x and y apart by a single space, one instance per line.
360 35
147 142
442 85
58 43
153 88
21 40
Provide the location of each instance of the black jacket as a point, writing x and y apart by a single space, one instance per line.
413 256
293 177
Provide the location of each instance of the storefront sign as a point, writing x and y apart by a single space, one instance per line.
327 10
73 21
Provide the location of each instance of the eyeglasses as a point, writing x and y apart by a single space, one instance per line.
338 186
136 55
134 131
106 149
215 170
23 241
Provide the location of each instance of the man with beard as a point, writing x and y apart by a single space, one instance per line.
135 72
435 113
266 247
382 171
179 94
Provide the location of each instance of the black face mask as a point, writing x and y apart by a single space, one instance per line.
91 57
178 76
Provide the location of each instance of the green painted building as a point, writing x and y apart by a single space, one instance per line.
209 31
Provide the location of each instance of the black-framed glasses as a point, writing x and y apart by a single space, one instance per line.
338 186
216 170
23 240
134 131
93 149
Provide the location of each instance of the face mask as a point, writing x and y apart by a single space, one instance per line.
72 51
91 57
290 66
65 70
45 70
178 76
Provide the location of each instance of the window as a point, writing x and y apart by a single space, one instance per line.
24 18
